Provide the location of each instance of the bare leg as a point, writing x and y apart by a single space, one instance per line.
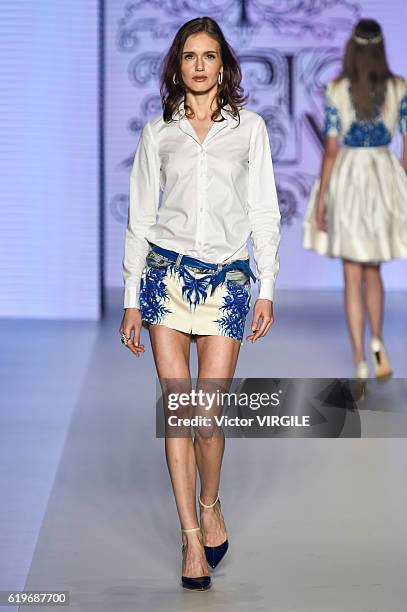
375 307
355 308
374 297
217 358
171 349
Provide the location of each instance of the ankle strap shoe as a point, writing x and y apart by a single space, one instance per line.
214 554
380 359
201 583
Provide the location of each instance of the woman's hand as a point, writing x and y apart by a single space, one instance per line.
263 309
320 215
131 322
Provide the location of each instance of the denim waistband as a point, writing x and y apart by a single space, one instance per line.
220 269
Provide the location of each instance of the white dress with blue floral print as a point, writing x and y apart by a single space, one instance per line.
367 195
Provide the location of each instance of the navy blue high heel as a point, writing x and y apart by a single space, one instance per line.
201 583
214 554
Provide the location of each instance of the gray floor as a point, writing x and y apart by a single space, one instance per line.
314 524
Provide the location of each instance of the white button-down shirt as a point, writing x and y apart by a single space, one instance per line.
216 195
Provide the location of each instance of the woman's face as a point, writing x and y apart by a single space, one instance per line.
201 63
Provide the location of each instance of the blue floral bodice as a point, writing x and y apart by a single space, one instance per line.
367 134
371 133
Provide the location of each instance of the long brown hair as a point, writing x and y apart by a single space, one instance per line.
365 65
229 92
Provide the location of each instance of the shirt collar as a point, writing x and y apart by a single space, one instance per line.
186 126
180 112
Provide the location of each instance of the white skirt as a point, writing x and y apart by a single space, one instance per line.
181 298
366 208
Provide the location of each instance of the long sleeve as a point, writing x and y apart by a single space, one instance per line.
263 211
143 205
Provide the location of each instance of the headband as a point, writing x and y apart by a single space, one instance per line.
367 41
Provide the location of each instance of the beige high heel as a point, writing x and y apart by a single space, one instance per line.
201 583
362 371
383 370
361 375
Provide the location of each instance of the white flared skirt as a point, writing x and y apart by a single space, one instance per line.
366 208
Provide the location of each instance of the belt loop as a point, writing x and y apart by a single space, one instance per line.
179 259
219 267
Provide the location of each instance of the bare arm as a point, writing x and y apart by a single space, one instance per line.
328 161
404 160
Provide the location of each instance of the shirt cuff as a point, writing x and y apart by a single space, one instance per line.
266 289
131 297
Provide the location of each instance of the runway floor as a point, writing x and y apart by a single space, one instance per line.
315 525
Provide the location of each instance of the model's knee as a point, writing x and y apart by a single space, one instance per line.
353 273
371 271
205 434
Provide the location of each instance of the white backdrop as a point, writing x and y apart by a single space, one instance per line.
49 151
288 49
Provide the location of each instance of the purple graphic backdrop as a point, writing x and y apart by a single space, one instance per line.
287 49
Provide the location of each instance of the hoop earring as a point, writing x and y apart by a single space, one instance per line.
220 78
174 79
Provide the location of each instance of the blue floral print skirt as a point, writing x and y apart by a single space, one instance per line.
180 298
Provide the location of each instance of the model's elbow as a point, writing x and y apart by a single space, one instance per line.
331 147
